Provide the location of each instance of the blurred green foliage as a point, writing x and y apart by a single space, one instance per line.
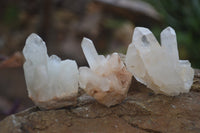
113 23
184 17
11 16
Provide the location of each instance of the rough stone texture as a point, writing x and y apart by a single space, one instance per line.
141 112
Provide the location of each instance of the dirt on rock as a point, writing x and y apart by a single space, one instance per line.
141 112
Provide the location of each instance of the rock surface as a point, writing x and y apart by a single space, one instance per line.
141 112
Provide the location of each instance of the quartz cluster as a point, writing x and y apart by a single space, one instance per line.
158 66
107 79
51 83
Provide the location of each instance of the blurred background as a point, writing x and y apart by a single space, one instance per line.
63 23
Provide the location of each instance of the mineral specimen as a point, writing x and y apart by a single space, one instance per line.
51 83
158 66
107 79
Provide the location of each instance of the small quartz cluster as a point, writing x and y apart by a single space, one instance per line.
158 66
107 79
51 83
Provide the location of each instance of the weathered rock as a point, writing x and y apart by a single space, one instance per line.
141 112
16 60
138 11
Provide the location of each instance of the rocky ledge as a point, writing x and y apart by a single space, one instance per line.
141 112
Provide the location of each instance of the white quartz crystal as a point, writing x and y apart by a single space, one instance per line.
107 79
51 83
158 66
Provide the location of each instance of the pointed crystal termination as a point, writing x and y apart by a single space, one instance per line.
51 83
169 43
90 53
158 66
107 79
